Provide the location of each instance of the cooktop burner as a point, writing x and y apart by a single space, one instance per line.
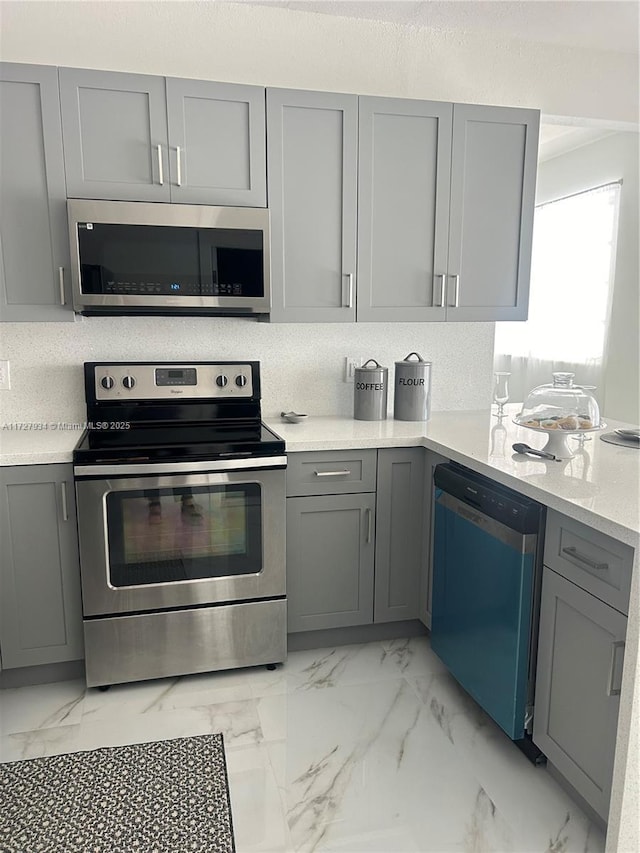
197 411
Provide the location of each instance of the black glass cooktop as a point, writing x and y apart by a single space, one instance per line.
117 442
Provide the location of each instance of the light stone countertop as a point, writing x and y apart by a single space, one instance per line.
600 486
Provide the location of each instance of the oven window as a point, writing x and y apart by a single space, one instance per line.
180 534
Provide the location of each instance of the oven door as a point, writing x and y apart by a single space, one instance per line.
178 540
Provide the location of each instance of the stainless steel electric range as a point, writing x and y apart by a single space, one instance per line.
181 517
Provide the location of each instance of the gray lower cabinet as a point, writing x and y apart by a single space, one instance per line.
399 526
357 558
40 601
330 559
579 670
34 247
312 184
136 137
431 459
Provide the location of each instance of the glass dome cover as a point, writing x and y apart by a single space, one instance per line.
560 405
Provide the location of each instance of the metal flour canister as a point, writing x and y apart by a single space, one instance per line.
412 397
370 392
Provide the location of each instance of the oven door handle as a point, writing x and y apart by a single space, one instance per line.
155 468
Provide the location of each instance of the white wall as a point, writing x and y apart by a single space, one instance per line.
276 47
610 159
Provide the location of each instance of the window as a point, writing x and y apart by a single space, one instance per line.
571 282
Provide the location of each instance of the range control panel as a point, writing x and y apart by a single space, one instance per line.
143 381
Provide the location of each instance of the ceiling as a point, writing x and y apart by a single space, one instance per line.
594 24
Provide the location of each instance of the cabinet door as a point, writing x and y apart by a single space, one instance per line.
493 178
34 246
40 603
330 550
217 144
399 526
404 170
426 576
579 670
115 135
312 169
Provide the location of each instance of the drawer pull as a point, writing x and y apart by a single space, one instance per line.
332 473
619 644
570 551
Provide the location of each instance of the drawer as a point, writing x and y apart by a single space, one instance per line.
592 560
331 472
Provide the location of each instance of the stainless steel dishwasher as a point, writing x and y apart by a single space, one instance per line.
486 590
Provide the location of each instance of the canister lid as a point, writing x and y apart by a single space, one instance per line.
406 361
371 371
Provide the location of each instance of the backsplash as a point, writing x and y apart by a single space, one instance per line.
302 364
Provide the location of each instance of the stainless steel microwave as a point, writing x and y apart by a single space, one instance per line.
140 258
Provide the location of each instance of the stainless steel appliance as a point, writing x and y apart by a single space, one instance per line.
141 258
181 519
487 558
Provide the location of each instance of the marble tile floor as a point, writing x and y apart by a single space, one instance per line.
352 749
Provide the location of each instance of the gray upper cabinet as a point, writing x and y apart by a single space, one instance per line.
579 671
493 178
312 184
216 143
115 135
444 209
399 525
34 247
404 171
135 137
40 602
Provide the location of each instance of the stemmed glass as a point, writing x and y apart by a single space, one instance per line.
500 391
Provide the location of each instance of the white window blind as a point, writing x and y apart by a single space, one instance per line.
572 271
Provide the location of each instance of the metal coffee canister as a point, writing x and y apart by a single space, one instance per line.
412 397
370 392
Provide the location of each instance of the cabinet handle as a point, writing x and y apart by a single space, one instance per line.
179 167
573 552
442 276
63 494
349 277
456 291
618 644
332 473
63 300
160 171
368 511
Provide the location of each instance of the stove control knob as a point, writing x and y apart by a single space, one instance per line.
221 380
128 381
241 381
107 382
